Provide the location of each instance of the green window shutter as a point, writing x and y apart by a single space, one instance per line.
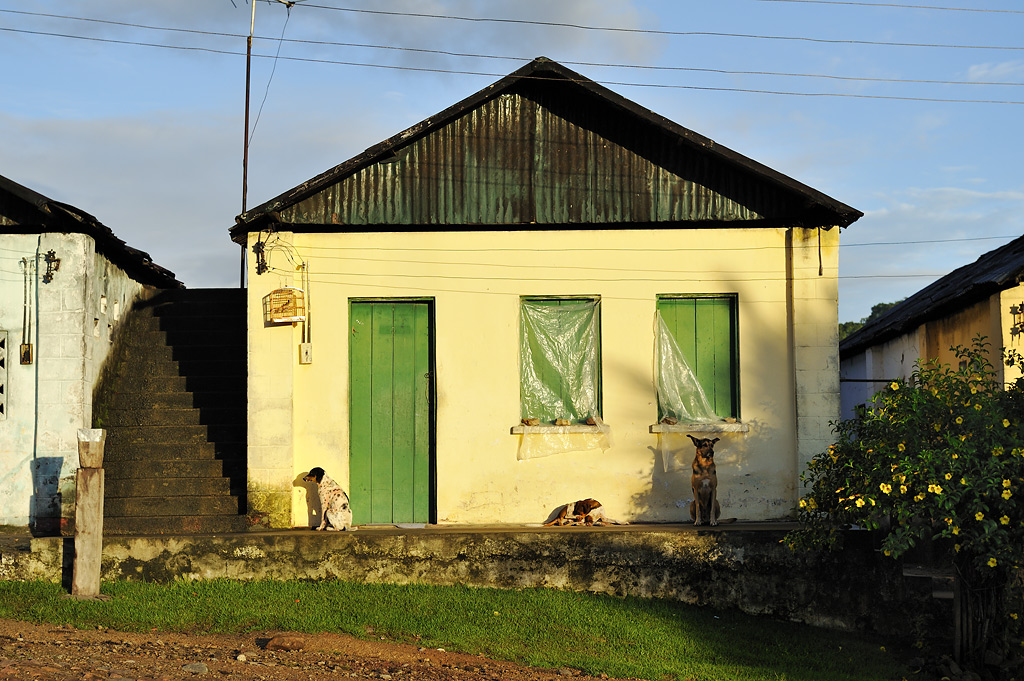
705 330
560 358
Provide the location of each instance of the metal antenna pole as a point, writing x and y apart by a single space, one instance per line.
245 140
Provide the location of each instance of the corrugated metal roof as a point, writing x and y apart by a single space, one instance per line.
546 146
23 211
994 271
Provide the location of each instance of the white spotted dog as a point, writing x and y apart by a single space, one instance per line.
334 505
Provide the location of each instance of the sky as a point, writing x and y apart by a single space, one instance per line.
134 111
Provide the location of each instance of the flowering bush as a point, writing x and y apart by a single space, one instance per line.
937 456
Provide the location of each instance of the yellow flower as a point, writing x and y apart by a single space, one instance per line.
919 497
860 502
1005 520
894 385
1013 615
949 476
949 521
979 516
959 419
998 451
977 407
1006 423
938 427
888 553
963 481
903 489
992 562
885 487
1007 494
803 503
901 447
974 391
956 547
956 456
956 530
1006 483
935 489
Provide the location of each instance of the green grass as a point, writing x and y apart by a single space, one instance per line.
621 637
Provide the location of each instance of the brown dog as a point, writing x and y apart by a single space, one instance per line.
704 508
583 512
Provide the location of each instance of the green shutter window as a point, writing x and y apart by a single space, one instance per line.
705 330
560 359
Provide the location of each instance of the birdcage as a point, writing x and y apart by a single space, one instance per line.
284 305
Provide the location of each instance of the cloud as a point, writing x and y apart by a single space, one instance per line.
912 227
1005 71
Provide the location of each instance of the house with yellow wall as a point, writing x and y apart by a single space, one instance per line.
983 298
532 298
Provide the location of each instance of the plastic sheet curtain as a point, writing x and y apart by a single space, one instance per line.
559 363
680 397
558 359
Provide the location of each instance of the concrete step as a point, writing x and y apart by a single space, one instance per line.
205 451
141 382
178 400
164 468
169 416
180 505
150 366
184 525
225 337
166 487
164 351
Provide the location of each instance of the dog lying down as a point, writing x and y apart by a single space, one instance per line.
583 512
334 505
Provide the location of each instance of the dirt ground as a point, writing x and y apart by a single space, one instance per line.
57 653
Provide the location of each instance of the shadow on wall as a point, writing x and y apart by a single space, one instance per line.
44 506
312 499
740 478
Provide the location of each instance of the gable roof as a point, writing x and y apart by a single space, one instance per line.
546 146
994 271
23 211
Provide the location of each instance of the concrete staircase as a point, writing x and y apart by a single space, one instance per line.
173 402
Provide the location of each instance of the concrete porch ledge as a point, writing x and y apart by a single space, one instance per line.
739 566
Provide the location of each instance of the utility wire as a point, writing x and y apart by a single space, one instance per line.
653 250
450 53
423 69
890 4
645 31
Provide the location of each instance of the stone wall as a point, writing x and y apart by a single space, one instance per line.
746 569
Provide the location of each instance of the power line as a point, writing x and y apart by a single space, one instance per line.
660 249
615 29
450 53
889 4
423 69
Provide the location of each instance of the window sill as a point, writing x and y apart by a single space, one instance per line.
539 430
720 427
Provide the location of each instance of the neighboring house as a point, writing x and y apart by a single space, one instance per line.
421 315
66 283
984 298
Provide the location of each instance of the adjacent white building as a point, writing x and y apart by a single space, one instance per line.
66 283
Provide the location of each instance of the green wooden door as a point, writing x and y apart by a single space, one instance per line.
705 329
391 406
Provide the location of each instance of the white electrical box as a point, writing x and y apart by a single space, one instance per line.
305 353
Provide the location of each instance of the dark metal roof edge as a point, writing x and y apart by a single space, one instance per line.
65 218
841 214
942 296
